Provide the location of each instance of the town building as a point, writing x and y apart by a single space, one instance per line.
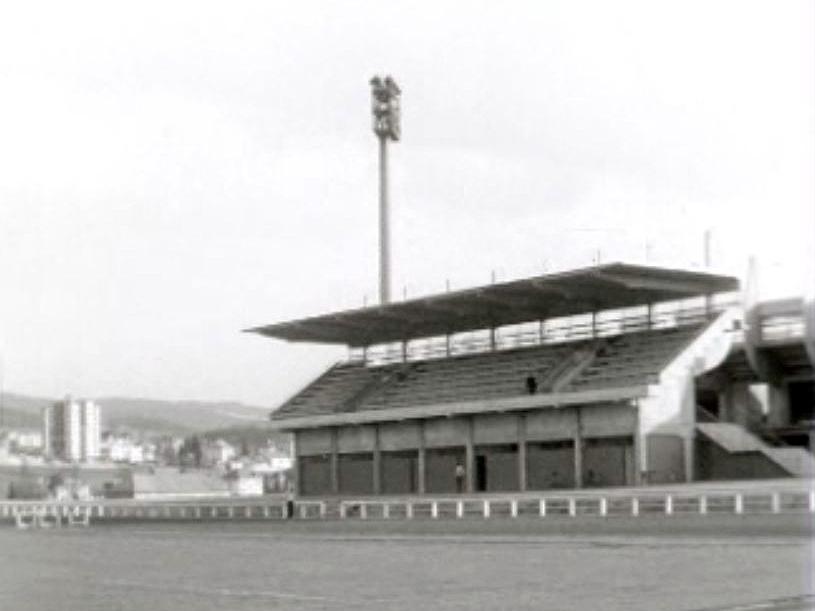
72 430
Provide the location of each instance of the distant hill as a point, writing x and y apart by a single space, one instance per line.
148 415
18 419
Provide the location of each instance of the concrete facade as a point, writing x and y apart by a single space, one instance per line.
568 447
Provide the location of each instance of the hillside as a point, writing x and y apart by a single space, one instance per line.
147 415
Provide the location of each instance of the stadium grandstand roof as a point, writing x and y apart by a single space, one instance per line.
592 289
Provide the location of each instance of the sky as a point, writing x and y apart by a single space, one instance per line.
174 172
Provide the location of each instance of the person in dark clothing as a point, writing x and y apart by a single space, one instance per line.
531 385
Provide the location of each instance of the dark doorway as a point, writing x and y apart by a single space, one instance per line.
708 401
480 473
802 402
496 468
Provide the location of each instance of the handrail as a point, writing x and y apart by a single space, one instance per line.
548 332
735 498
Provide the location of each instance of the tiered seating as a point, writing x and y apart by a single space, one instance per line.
634 358
330 392
625 360
465 378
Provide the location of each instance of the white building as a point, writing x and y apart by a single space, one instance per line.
72 430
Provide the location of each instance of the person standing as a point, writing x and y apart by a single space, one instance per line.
460 474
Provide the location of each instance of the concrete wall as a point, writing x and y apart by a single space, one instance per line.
356 473
389 457
445 432
311 442
666 459
608 461
352 439
400 472
714 463
314 475
440 468
550 465
551 424
399 436
496 468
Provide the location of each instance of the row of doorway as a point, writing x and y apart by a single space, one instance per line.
549 465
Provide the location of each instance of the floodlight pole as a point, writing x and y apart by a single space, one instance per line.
384 225
385 100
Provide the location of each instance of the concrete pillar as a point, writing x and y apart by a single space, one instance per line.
639 442
295 463
420 467
377 462
689 452
522 452
578 450
335 464
469 456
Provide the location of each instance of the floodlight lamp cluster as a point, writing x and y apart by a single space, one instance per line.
385 96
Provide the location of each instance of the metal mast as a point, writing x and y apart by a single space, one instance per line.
385 99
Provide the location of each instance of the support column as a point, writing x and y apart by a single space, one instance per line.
377 462
420 476
296 464
688 447
469 456
578 449
522 452
335 464
639 442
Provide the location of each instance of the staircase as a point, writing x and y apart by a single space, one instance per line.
735 439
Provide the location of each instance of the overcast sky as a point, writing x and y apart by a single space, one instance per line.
171 173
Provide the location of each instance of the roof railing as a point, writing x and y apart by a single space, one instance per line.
571 329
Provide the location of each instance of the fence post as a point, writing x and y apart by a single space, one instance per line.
409 511
776 502
386 511
635 506
434 509
303 512
738 503
703 504
342 510
812 501
363 511
513 508
542 508
669 504
486 508
603 506
572 507
460 509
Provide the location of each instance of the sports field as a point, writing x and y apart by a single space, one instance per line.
749 563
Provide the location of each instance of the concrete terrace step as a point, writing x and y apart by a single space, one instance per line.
735 438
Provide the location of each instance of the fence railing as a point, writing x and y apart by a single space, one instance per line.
786 499
548 332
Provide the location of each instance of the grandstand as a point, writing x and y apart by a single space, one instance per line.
613 375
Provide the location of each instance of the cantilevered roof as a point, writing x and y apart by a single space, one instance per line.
603 287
